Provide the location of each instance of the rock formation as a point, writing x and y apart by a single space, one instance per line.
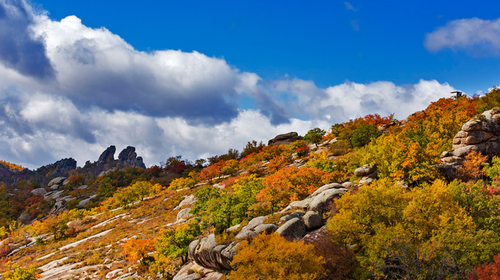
481 134
129 157
286 138
107 156
299 218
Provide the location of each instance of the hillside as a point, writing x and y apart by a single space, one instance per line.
374 198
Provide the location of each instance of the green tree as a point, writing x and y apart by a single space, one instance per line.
363 134
174 243
314 135
106 188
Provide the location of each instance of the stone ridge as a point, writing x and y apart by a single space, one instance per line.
480 134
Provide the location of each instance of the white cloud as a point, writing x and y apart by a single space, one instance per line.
350 100
477 36
96 90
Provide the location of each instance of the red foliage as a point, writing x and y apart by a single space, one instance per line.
212 171
302 151
154 170
377 119
339 262
489 271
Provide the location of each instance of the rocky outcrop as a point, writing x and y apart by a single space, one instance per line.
194 271
255 227
293 229
286 138
297 220
57 183
39 191
480 134
107 156
207 253
61 167
129 157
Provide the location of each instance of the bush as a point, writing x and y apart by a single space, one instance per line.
272 257
364 134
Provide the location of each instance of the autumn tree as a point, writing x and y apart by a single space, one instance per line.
489 271
421 233
472 168
138 249
273 257
17 272
290 184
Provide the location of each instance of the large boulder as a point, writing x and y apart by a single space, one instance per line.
293 229
63 166
56 181
286 138
480 134
207 253
312 220
320 202
188 201
39 191
255 227
365 170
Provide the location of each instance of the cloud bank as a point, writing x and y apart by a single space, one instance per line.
67 90
474 35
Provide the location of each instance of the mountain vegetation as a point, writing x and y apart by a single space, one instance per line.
372 198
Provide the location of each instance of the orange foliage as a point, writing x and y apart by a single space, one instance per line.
11 166
212 171
136 249
290 184
272 257
472 167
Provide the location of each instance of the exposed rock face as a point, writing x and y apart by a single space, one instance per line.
481 134
184 214
129 157
57 182
62 166
255 227
188 201
107 156
207 253
39 191
187 273
308 216
293 229
286 138
364 170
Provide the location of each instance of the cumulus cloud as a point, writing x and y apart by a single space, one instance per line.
477 36
350 100
67 90
48 128
19 48
38 128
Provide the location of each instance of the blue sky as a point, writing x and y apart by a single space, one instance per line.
195 78
327 42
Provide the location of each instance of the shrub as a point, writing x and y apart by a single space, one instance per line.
272 257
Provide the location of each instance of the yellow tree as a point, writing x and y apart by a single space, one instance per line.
273 257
